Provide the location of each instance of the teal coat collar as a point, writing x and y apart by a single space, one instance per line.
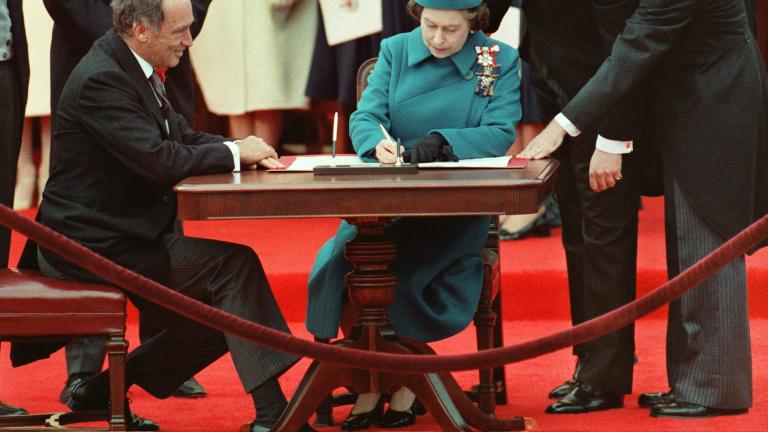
464 60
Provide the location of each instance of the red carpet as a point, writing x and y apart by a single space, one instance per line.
535 304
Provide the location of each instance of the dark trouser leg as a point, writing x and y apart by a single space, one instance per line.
610 267
11 117
85 356
229 277
708 340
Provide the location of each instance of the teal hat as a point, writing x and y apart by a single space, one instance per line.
449 4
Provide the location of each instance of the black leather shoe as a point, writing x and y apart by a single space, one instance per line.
650 400
72 381
190 389
397 419
10 410
364 420
563 389
690 410
81 399
136 423
584 399
253 427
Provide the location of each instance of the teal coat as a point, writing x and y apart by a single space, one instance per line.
438 266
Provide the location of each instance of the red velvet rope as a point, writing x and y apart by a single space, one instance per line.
227 323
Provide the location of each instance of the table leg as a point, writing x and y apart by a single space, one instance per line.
371 289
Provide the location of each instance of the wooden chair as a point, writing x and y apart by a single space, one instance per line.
34 308
491 389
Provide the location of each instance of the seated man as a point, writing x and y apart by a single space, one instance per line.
118 148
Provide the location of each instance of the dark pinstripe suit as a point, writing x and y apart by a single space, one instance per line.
711 103
110 190
565 44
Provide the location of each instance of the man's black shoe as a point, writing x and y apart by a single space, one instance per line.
563 389
136 423
72 381
584 399
690 410
650 400
81 399
10 410
190 389
253 427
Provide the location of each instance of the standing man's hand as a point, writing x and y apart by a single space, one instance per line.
545 143
604 170
254 151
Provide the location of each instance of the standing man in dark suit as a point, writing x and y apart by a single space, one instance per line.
14 81
565 43
77 24
118 148
710 106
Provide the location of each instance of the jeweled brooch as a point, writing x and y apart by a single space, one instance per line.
486 69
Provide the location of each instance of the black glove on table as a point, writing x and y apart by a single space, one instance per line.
431 148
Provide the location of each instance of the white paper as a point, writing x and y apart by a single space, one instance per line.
509 29
307 163
345 20
492 162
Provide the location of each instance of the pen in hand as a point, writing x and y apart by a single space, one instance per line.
395 145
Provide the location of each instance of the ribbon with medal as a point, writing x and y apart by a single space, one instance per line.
486 69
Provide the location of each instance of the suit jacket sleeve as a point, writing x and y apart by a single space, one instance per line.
88 19
648 35
611 18
113 116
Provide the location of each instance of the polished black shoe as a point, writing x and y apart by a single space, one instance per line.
690 410
584 399
397 419
650 400
10 410
136 423
253 427
563 389
190 389
72 381
364 420
81 399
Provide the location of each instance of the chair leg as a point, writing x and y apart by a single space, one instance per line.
116 348
484 322
499 372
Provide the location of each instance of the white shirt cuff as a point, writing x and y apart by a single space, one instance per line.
235 154
567 125
613 146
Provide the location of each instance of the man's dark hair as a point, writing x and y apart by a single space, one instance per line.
127 12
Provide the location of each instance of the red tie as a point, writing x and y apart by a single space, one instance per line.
160 71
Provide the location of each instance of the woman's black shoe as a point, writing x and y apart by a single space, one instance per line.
364 420
397 419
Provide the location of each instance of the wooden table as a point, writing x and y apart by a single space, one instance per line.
370 202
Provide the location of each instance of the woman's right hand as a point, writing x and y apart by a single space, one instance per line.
386 152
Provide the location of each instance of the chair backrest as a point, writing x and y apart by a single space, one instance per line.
363 72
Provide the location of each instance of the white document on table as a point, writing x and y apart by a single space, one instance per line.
307 163
345 20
